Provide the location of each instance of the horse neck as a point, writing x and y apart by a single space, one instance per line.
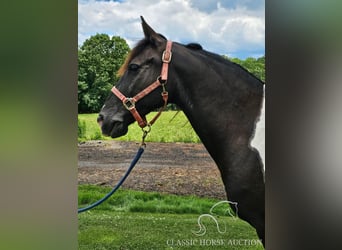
216 102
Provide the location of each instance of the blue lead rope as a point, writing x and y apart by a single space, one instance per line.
134 161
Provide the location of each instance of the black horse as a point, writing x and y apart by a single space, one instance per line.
221 100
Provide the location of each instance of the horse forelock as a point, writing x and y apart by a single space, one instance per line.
141 45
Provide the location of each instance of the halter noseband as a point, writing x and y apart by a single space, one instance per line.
129 102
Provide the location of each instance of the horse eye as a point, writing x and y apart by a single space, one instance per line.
150 61
133 67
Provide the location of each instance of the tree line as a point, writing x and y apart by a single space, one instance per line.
99 59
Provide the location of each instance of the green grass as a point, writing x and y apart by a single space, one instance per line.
164 130
148 202
161 222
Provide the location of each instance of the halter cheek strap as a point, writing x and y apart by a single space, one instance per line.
129 102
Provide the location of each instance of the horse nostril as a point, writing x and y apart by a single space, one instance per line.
100 118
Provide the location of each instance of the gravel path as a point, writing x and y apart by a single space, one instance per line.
175 168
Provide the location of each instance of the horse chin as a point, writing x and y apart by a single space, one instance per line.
119 129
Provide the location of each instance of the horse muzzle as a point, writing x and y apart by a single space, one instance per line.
112 127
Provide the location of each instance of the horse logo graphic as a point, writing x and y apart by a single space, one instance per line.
202 229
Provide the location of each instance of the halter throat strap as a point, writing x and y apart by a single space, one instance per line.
129 102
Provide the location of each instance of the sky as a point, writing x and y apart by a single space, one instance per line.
235 28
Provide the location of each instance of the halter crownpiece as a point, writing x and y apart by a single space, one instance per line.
129 102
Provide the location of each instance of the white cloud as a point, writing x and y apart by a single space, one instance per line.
224 27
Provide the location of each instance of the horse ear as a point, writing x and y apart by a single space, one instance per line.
150 34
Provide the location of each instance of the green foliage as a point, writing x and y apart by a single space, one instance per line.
81 129
93 129
168 128
254 65
99 58
97 135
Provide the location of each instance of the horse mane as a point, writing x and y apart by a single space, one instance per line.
194 46
227 62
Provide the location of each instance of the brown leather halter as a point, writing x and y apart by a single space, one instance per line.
129 102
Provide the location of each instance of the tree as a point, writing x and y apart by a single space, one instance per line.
99 59
253 65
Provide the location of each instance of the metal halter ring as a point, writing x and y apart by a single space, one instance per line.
145 133
148 129
129 103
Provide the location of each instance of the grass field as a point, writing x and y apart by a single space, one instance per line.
167 129
141 220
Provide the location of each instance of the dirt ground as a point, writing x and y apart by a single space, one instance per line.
175 168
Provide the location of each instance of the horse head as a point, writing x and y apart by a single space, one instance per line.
142 67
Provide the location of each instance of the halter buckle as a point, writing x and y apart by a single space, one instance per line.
166 57
129 103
